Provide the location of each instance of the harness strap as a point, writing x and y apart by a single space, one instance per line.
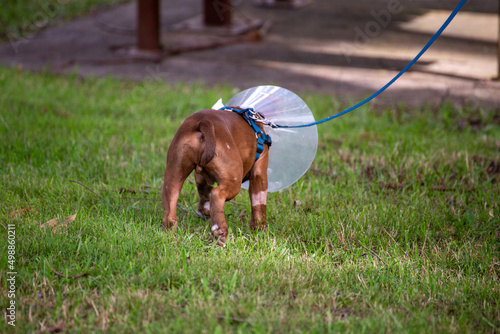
262 138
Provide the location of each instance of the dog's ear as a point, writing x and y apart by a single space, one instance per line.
208 137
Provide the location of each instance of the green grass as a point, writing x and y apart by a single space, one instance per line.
23 19
397 229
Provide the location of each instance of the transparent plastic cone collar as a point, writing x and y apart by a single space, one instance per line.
293 149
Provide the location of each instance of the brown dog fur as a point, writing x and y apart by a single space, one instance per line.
220 147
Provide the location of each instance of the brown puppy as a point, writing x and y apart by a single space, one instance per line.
220 147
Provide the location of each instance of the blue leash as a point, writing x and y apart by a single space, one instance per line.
377 93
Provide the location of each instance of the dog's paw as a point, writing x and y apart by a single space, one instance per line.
219 235
169 224
201 215
203 211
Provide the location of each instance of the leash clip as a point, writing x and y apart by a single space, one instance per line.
258 117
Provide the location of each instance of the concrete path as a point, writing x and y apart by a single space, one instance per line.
344 48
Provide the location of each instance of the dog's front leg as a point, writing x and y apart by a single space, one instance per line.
204 186
258 192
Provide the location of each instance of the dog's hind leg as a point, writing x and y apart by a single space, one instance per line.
225 191
178 169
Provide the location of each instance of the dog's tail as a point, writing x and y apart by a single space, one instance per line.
208 137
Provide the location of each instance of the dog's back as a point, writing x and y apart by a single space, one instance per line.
210 134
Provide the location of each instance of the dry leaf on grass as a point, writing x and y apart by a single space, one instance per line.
56 222
52 223
22 211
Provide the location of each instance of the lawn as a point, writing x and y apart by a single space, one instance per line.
396 227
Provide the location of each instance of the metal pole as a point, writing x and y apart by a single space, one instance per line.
217 12
148 25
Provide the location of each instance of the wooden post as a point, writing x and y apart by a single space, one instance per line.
217 12
148 25
498 50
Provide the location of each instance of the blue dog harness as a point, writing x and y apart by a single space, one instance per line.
251 116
